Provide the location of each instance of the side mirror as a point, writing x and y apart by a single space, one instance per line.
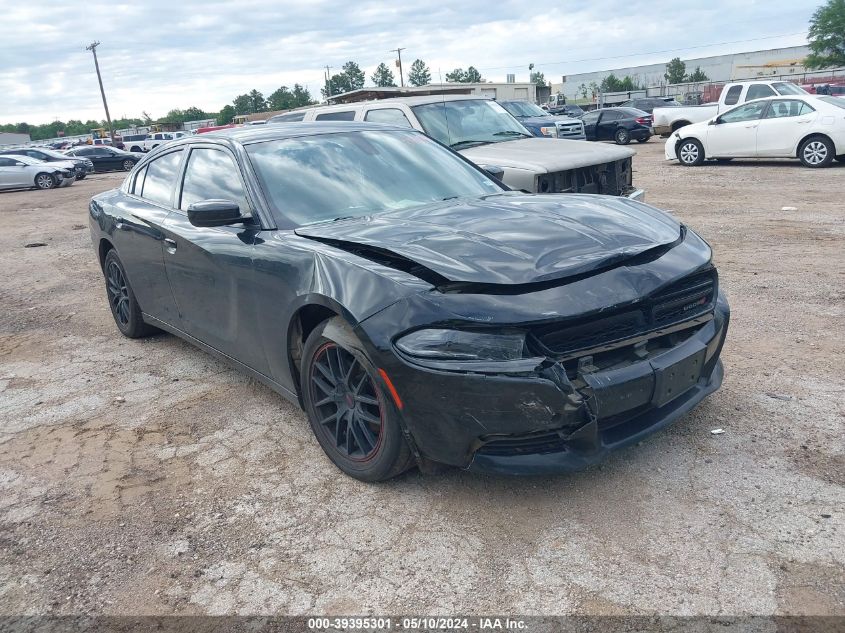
494 170
214 213
714 122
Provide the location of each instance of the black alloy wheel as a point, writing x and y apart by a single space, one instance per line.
124 307
622 137
351 418
347 403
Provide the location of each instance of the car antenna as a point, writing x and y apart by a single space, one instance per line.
445 112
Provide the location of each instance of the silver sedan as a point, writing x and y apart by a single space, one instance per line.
23 172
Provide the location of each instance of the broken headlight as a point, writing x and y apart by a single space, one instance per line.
459 345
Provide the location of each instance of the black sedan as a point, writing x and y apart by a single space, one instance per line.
81 166
106 158
416 309
621 125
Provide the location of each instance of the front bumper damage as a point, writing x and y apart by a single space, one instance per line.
548 420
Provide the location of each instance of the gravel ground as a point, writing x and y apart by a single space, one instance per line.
144 477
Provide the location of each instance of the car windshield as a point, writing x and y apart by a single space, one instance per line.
787 88
327 177
469 122
523 109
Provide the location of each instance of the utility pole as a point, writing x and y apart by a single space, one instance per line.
398 51
93 48
328 82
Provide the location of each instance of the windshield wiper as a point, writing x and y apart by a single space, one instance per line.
512 133
467 143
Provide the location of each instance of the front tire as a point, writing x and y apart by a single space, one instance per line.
690 153
124 306
816 151
622 137
128 165
350 414
45 181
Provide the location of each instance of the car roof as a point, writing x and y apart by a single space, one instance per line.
260 133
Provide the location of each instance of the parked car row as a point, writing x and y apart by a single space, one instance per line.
106 158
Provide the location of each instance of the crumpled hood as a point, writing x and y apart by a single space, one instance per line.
542 155
509 238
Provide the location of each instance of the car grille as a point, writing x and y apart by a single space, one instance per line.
570 130
533 444
682 301
612 179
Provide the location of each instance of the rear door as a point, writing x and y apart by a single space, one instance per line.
210 268
139 235
735 133
782 126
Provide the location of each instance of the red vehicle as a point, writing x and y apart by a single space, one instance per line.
214 128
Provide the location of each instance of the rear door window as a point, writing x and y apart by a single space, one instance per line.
161 178
344 115
732 98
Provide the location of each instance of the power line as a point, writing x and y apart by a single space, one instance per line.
668 50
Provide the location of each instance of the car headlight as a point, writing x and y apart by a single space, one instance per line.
549 131
460 345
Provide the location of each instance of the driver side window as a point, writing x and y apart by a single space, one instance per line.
748 112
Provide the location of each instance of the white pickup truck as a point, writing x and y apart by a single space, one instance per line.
667 120
152 140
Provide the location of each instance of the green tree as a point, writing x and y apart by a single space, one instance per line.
468 76
611 83
257 101
226 115
827 36
286 99
697 75
538 79
350 78
383 77
582 90
301 96
420 75
242 104
675 71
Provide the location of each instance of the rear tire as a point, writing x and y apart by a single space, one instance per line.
351 416
45 181
816 151
81 176
128 165
124 306
690 153
622 137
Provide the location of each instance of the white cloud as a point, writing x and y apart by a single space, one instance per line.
157 55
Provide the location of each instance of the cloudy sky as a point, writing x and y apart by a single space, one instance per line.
156 55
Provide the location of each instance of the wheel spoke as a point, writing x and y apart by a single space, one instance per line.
324 401
367 400
326 371
349 371
363 436
368 417
323 385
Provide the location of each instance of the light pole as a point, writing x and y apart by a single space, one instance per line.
398 51
93 48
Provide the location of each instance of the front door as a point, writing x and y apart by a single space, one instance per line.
590 121
210 268
735 132
13 173
606 129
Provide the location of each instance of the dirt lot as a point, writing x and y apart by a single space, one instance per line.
145 477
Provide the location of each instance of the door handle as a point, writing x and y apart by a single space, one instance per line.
751 126
170 245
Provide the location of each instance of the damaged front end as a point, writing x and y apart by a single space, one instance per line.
559 394
613 179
